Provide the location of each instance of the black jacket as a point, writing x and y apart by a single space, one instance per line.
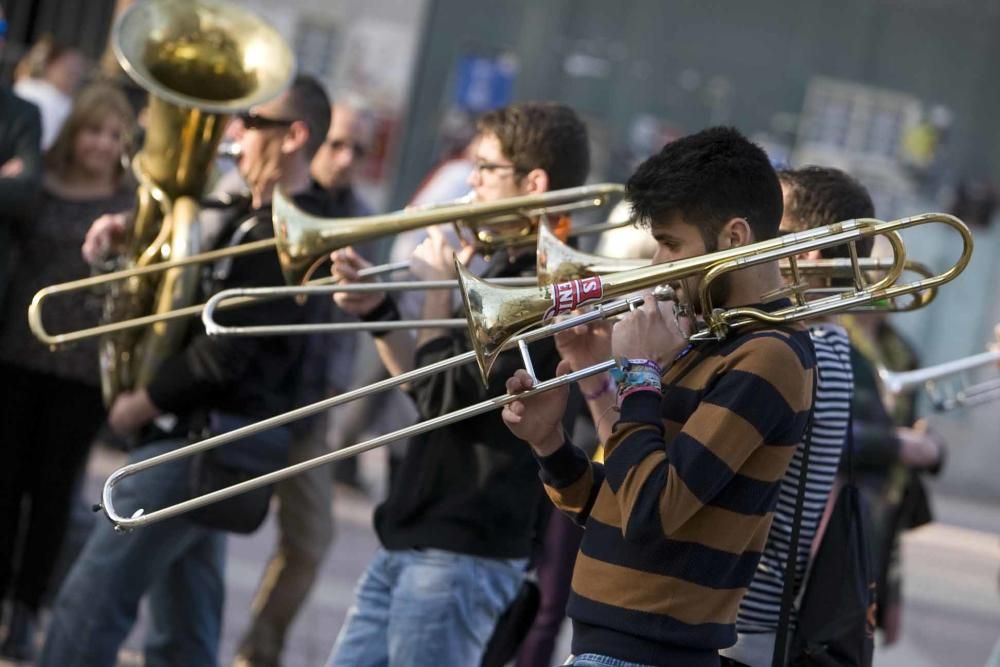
20 137
471 487
251 377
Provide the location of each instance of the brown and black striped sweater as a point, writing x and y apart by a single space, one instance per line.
678 514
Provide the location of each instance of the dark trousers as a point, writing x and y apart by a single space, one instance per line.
46 428
554 570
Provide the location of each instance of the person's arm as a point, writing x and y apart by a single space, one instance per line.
434 259
571 479
21 177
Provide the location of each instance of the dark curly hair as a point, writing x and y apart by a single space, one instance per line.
709 178
542 135
819 196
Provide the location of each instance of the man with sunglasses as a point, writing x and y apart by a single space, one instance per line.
20 163
209 385
459 523
304 515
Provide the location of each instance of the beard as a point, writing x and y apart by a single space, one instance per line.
718 292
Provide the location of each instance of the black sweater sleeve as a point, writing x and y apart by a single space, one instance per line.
462 386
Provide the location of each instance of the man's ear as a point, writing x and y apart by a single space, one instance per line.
735 233
296 137
535 182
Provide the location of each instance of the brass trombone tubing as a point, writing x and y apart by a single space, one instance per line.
583 230
837 267
372 227
497 313
55 340
253 294
558 262
140 518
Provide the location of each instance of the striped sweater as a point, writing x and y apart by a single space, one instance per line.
834 388
678 514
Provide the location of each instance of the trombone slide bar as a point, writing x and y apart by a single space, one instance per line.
140 518
898 383
252 294
55 340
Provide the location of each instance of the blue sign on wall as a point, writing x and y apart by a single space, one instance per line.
484 83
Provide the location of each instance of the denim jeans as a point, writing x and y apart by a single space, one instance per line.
595 660
177 562
428 607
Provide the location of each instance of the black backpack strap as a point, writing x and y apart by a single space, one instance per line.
788 585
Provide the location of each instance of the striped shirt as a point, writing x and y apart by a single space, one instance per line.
678 515
761 606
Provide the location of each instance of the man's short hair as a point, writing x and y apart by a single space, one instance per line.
542 135
709 178
307 101
819 196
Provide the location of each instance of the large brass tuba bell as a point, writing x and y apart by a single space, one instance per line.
200 60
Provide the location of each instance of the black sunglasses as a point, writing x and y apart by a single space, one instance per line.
252 121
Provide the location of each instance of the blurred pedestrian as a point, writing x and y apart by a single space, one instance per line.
48 76
52 400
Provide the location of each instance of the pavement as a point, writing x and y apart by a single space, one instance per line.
951 613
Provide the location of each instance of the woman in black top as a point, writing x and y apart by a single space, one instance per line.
52 400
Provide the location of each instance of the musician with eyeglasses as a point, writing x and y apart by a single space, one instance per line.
457 528
209 385
677 515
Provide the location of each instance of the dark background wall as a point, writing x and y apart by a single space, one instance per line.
84 24
667 58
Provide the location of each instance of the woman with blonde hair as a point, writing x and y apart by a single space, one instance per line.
52 400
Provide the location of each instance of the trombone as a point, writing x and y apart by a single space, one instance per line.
303 241
557 262
929 378
497 316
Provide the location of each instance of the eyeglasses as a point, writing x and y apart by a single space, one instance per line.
342 144
252 121
483 166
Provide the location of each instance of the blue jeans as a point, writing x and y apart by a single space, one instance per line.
177 562
429 607
595 660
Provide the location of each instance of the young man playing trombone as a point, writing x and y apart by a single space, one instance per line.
678 514
457 528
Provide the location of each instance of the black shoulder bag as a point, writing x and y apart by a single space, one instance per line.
836 614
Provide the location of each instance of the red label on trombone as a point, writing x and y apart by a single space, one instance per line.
571 295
